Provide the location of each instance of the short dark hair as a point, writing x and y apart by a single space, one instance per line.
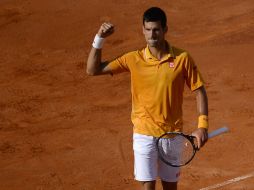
154 14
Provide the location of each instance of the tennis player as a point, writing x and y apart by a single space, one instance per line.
159 72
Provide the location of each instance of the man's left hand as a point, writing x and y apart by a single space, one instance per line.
201 136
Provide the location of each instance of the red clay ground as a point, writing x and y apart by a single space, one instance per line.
60 129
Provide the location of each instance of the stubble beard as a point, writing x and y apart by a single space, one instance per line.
153 43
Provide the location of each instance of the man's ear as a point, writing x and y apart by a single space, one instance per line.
143 29
166 29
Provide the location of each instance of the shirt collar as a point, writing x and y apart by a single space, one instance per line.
148 55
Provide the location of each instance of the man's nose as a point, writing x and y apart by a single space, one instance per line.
153 35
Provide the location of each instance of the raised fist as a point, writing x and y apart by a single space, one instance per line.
106 30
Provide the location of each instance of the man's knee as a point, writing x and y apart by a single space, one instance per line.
148 185
169 185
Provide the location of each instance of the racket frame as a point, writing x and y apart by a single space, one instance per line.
190 138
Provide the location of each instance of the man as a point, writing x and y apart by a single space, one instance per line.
158 74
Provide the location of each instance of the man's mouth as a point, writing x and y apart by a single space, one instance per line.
152 40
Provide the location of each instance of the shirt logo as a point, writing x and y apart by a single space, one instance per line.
171 64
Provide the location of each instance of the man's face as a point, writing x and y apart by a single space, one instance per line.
154 33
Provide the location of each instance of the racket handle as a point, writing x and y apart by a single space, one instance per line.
218 132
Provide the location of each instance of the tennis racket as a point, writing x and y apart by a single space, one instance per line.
177 149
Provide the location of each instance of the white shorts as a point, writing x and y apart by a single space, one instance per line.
147 165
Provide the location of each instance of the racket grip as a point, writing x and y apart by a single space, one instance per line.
218 132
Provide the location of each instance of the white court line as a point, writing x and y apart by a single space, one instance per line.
228 182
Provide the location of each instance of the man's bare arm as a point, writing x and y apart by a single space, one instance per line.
94 63
202 107
202 101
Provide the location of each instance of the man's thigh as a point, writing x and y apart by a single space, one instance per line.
145 158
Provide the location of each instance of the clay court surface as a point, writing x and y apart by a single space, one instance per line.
63 130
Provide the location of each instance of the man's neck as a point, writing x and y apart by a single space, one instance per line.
159 52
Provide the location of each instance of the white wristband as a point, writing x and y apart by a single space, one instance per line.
98 42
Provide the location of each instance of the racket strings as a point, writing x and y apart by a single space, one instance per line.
176 151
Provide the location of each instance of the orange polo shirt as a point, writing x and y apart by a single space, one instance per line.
157 88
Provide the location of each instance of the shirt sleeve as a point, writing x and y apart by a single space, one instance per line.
192 75
119 64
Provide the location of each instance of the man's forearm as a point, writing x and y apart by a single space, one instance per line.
202 108
202 101
94 66
202 105
93 61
